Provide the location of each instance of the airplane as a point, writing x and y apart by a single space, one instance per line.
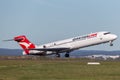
65 46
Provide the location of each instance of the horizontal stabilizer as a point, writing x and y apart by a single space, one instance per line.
9 40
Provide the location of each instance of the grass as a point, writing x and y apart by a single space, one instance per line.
58 69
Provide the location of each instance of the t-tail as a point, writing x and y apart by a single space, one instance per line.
24 43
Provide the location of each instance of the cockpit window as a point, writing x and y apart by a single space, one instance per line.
106 33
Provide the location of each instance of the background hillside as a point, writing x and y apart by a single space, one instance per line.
77 53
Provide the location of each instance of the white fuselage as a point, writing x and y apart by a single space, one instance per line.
80 41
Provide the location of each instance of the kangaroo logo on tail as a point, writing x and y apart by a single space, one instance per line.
24 43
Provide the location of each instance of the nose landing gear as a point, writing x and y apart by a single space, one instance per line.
111 44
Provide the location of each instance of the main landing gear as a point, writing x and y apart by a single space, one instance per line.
57 55
66 55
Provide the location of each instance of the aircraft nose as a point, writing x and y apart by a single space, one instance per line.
114 36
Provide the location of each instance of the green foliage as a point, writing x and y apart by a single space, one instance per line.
58 69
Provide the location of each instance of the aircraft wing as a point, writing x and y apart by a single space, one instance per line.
50 49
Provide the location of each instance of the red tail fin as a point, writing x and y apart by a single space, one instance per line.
24 43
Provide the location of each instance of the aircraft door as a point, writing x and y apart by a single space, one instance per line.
100 36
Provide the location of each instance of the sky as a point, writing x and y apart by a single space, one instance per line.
44 21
